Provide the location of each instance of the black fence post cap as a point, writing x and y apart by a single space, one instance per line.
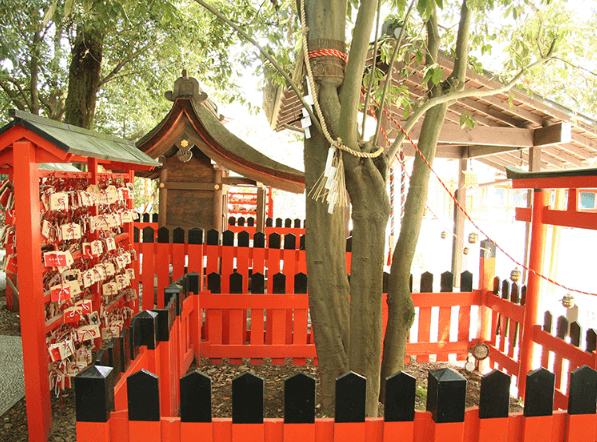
195 397
446 395
299 399
494 399
94 394
351 397
247 399
401 391
147 322
540 390
143 392
582 395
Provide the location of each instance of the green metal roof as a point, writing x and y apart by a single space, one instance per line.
78 141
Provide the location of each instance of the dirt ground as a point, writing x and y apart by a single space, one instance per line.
13 423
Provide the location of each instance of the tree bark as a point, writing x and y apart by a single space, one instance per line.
328 284
84 77
400 305
365 181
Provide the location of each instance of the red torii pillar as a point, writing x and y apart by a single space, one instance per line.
538 233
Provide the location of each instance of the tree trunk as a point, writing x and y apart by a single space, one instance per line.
365 181
328 284
401 310
400 305
84 77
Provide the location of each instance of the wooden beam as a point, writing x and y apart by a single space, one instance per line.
483 151
236 181
554 134
559 153
482 136
489 162
190 186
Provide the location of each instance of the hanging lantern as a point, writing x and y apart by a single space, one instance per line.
568 300
515 275
444 234
465 250
473 238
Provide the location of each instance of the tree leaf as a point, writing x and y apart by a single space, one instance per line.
68 7
50 13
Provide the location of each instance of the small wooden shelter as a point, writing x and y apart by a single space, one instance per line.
198 154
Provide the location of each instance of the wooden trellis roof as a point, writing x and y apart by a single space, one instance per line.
504 131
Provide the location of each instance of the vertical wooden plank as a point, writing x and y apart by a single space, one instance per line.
276 317
212 251
162 264
148 272
227 264
237 323
513 326
289 258
547 326
351 392
504 320
424 334
445 314
178 254
273 259
195 253
302 256
562 333
301 316
257 315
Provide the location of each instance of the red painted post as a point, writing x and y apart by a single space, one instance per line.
94 431
538 231
486 276
35 356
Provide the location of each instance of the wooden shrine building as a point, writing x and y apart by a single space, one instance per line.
198 154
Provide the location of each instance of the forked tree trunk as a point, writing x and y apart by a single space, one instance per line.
84 77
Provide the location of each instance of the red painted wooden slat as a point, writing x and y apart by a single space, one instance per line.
178 261
162 266
148 270
190 430
299 432
424 330
443 329
464 324
144 431
537 429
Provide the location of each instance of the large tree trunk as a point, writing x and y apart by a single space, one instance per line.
365 181
84 77
328 284
325 238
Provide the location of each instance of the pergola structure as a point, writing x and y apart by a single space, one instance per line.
512 129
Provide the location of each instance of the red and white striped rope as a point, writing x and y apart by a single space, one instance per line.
328 53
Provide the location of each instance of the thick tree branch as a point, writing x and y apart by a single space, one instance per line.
350 94
18 103
122 64
271 59
389 74
373 63
469 93
458 75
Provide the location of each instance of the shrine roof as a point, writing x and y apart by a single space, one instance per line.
77 141
194 118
